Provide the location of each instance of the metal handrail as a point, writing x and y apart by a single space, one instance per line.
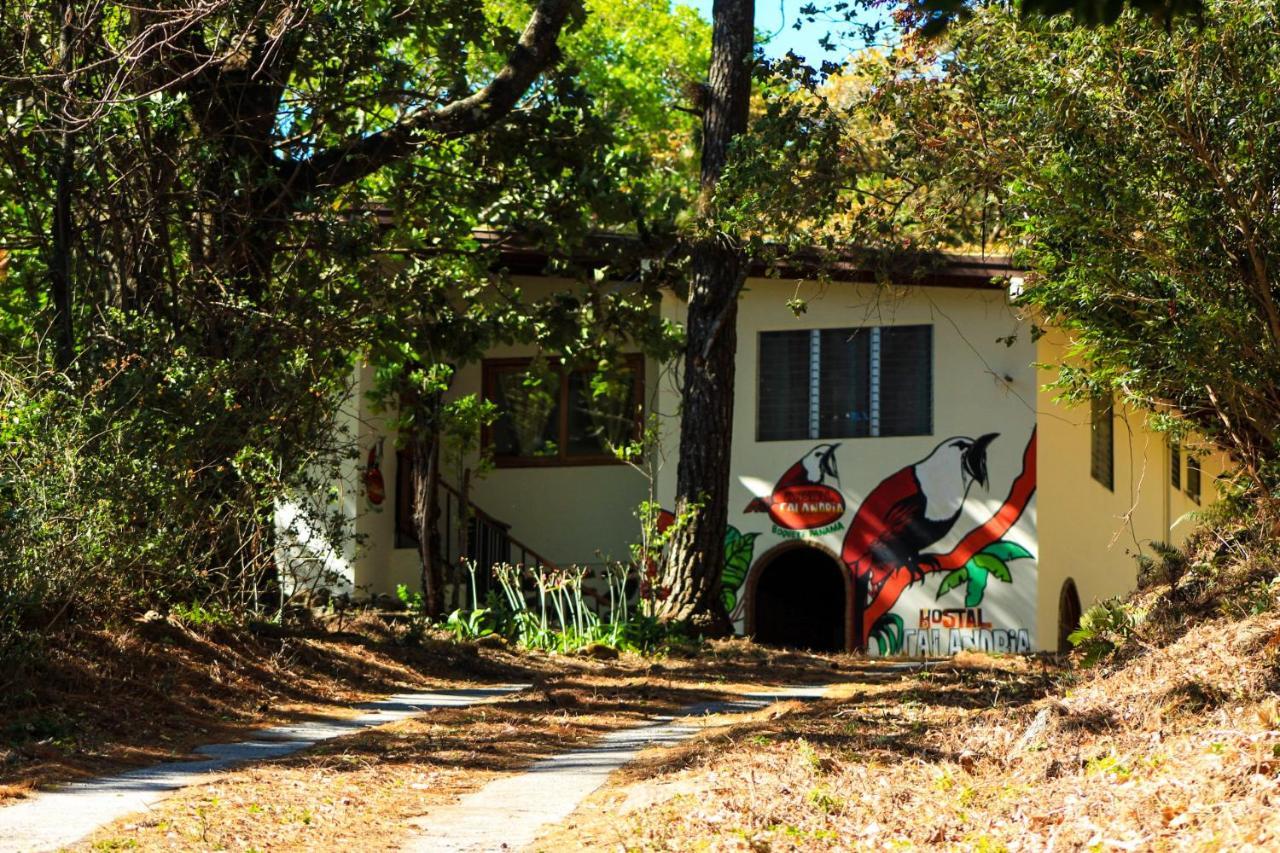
492 536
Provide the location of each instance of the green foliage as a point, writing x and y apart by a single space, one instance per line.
1103 628
739 548
991 560
544 609
888 632
203 616
221 298
1126 167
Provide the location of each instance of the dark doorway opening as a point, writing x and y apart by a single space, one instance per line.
1068 615
799 602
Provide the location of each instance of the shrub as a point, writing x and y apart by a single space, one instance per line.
1104 627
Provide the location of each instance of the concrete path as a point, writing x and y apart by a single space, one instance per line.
509 813
51 820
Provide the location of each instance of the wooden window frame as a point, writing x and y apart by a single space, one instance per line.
1195 479
491 367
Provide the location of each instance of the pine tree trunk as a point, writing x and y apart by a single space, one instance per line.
60 262
426 516
690 589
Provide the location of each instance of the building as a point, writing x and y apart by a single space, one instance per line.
893 444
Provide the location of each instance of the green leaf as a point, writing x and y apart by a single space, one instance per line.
888 633
1006 551
977 584
953 579
993 565
738 551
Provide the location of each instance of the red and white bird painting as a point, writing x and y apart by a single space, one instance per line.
802 499
912 509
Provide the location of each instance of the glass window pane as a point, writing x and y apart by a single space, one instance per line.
844 392
906 380
1193 478
1102 447
600 421
528 404
782 399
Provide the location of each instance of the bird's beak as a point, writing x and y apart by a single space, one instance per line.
975 458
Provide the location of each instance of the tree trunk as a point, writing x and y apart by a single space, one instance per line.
426 516
690 589
60 260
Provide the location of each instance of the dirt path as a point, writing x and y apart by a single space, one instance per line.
510 812
385 787
52 820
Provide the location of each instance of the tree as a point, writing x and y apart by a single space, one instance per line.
1131 167
718 264
236 162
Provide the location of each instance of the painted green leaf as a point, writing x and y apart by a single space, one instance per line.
953 579
994 565
888 634
977 584
738 551
1006 551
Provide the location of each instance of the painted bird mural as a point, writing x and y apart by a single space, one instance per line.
912 509
802 499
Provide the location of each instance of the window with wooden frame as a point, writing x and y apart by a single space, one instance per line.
1193 478
845 383
1102 446
549 415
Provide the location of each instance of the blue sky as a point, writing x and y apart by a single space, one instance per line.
778 17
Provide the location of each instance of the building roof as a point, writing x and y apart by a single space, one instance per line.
850 266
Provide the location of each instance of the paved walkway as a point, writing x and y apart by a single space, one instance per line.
49 821
510 812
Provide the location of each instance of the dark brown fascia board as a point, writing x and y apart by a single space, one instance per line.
985 272
967 271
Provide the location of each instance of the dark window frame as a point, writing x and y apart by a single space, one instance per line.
490 368
1102 444
874 381
1194 478
1175 465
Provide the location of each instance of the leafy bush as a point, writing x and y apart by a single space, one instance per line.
549 609
112 501
1104 627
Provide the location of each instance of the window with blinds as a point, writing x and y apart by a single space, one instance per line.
1102 449
1175 465
845 383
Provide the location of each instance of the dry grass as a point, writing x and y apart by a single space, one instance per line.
371 790
1176 748
106 700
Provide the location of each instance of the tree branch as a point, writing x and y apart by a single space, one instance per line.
359 157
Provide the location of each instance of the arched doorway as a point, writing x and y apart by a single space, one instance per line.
1068 615
798 599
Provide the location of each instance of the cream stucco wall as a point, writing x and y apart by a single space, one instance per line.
984 380
1091 534
980 385
575 515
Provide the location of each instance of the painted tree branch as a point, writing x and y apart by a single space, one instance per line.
994 529
362 156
